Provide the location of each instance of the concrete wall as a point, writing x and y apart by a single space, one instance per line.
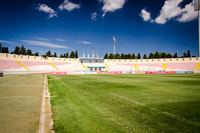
171 60
36 58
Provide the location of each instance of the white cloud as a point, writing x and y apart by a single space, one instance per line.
145 15
7 42
60 39
188 13
112 5
69 6
171 9
84 42
41 39
44 44
48 10
94 16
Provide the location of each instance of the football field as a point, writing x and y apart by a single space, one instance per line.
125 103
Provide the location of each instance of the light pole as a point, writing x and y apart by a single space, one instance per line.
197 8
199 31
114 43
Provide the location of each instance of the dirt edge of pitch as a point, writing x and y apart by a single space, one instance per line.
46 120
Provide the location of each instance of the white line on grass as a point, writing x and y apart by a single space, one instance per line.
126 99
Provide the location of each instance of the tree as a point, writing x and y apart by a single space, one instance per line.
151 56
169 55
157 55
133 56
29 52
117 56
61 56
48 54
55 55
106 56
17 50
188 54
175 55
163 55
139 56
76 54
36 54
67 55
23 50
5 50
122 56
128 56
145 56
72 55
184 54
111 56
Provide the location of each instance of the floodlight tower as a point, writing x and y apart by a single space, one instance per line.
114 43
197 8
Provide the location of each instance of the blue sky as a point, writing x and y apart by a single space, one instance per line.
140 26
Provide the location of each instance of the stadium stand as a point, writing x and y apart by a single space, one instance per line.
174 65
11 64
14 64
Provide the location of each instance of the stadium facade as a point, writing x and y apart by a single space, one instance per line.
19 64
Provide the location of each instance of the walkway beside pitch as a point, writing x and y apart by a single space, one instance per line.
46 121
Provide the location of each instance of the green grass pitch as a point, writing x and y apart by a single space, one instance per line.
125 103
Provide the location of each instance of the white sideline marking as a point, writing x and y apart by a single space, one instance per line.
154 109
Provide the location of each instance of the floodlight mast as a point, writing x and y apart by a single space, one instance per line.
114 43
197 8
199 30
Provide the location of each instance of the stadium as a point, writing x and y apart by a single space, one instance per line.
121 87
119 93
